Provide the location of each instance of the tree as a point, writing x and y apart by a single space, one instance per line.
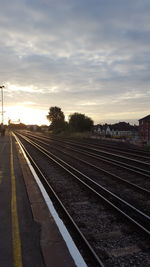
57 119
18 126
80 123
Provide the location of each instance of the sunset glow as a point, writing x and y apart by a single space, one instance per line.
26 115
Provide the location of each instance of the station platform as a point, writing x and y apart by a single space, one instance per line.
28 233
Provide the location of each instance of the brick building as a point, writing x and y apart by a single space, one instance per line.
144 129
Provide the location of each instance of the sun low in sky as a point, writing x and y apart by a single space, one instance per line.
84 56
26 115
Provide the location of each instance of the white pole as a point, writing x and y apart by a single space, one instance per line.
2 86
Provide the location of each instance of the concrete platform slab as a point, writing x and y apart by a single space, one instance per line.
54 249
28 233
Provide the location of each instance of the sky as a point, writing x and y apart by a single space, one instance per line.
86 56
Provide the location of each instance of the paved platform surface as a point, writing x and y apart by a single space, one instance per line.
28 234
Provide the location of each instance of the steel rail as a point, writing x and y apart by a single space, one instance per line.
130 152
139 218
117 156
101 151
108 153
49 189
85 141
114 162
139 188
98 146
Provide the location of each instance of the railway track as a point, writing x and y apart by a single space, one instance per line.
114 204
138 154
124 188
127 163
124 160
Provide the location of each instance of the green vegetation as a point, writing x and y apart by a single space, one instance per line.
18 126
57 119
147 147
78 123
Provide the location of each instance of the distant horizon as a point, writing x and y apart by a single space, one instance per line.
131 122
29 116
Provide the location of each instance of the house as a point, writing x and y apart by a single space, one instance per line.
144 129
125 130
102 130
118 130
32 127
44 128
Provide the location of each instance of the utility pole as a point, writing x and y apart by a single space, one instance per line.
2 87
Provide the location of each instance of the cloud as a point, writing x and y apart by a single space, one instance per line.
17 88
84 56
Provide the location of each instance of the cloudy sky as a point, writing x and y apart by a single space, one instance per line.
87 56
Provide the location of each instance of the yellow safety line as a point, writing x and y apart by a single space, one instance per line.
1 171
0 177
16 242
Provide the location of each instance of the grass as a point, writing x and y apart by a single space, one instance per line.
74 134
147 147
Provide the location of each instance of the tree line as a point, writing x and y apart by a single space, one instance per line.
77 122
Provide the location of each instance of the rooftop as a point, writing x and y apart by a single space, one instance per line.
147 118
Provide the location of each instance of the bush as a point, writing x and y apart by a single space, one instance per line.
80 123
